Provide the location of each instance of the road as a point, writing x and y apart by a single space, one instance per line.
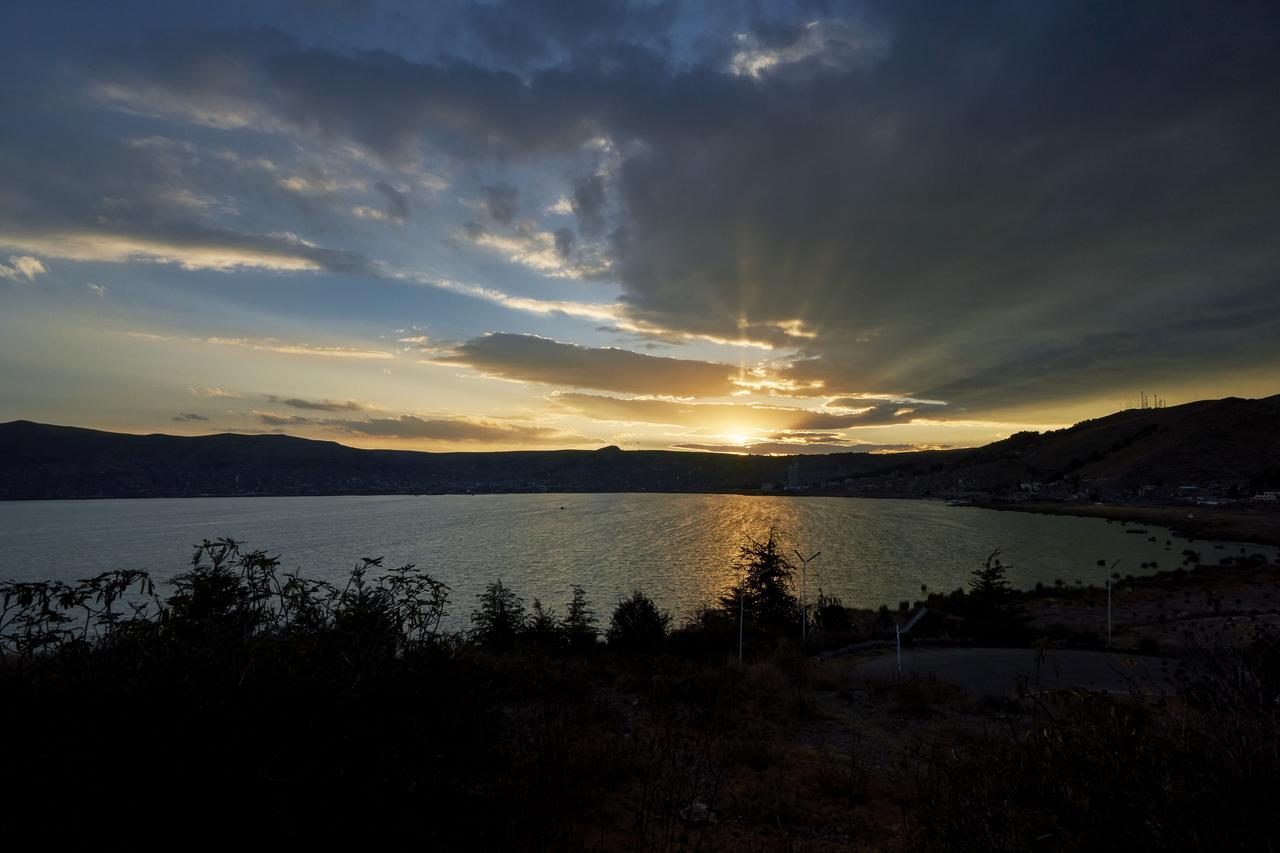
995 672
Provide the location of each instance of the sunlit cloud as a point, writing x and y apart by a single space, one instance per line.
779 448
319 184
551 254
858 401
22 267
585 310
214 392
272 345
614 313
730 418
536 251
831 46
192 249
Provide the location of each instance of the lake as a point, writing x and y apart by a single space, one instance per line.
678 548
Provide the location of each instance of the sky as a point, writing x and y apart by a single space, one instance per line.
756 227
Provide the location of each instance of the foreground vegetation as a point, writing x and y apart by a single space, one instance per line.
252 703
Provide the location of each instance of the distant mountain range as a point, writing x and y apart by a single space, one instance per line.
1229 443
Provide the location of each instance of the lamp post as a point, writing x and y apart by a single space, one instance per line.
804 591
897 638
742 594
1111 571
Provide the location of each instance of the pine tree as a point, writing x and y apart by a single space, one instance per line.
995 612
767 584
579 623
500 617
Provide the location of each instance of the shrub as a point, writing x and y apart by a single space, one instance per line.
637 624
829 614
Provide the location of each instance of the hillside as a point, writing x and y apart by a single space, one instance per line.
1212 443
1206 442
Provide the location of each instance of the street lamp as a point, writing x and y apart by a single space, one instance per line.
804 591
742 594
1111 571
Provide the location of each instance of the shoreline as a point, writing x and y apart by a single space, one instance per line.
1249 526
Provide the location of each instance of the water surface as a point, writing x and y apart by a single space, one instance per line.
678 548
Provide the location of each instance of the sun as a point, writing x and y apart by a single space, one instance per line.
739 438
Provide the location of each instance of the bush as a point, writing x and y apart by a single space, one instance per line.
637 625
308 700
830 614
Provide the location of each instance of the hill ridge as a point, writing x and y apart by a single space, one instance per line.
1227 443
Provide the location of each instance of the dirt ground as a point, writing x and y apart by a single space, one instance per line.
1165 611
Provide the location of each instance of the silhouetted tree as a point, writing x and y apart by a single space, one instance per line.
498 621
580 622
989 583
637 624
542 630
994 610
768 599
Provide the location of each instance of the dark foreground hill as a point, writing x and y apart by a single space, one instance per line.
1224 443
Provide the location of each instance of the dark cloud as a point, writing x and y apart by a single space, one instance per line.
74 194
274 419
524 31
447 429
943 223
564 242
502 201
457 430
872 411
317 405
533 359
189 416
397 201
588 203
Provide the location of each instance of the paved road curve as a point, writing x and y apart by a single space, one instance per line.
995 672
